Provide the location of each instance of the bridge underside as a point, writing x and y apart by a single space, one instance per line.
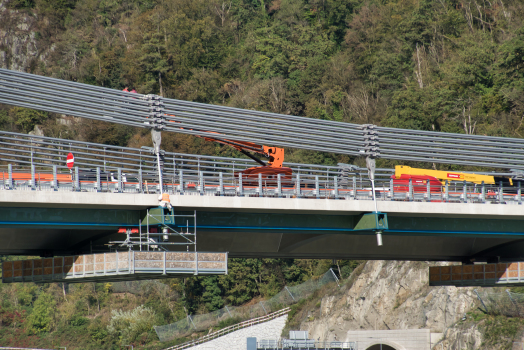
65 231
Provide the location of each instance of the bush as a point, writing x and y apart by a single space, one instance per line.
78 321
129 325
41 320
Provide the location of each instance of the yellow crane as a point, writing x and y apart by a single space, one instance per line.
443 175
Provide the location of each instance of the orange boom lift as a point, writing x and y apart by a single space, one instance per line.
269 170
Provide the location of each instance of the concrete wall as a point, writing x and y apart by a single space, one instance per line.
410 339
238 340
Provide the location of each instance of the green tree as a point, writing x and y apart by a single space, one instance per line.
42 318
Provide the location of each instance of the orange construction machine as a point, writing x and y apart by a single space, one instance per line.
269 170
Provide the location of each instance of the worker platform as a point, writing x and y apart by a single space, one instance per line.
483 275
116 266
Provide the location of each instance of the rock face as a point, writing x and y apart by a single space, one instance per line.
390 295
18 40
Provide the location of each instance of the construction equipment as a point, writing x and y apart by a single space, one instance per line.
402 171
269 170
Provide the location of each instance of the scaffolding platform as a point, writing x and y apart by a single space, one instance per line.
484 275
116 266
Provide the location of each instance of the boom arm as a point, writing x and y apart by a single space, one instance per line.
444 175
274 154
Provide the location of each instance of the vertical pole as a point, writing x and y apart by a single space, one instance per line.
140 180
519 196
98 182
33 182
391 189
221 183
279 185
160 180
297 186
10 176
482 192
119 179
428 191
317 189
335 187
240 187
410 190
181 186
501 193
77 180
260 191
55 178
446 195
201 182
465 191
354 186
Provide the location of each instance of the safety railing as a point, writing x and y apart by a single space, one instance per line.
233 328
230 183
305 344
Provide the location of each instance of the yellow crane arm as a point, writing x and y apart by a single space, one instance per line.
443 175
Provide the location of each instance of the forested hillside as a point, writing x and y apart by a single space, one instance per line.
444 65
449 65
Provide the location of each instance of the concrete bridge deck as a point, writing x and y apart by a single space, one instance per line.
61 223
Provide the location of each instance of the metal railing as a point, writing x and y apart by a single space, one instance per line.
233 328
306 344
230 183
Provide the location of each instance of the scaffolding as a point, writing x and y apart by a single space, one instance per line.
163 228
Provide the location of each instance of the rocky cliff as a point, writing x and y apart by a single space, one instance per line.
19 47
394 295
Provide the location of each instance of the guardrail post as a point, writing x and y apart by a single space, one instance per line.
201 183
260 190
428 191
119 179
446 194
77 180
519 194
55 179
181 186
240 191
33 181
335 187
317 187
354 192
465 192
98 185
501 193
10 176
279 185
221 183
482 192
140 181
297 186
410 190
391 190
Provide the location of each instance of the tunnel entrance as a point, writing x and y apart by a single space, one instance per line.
380 347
